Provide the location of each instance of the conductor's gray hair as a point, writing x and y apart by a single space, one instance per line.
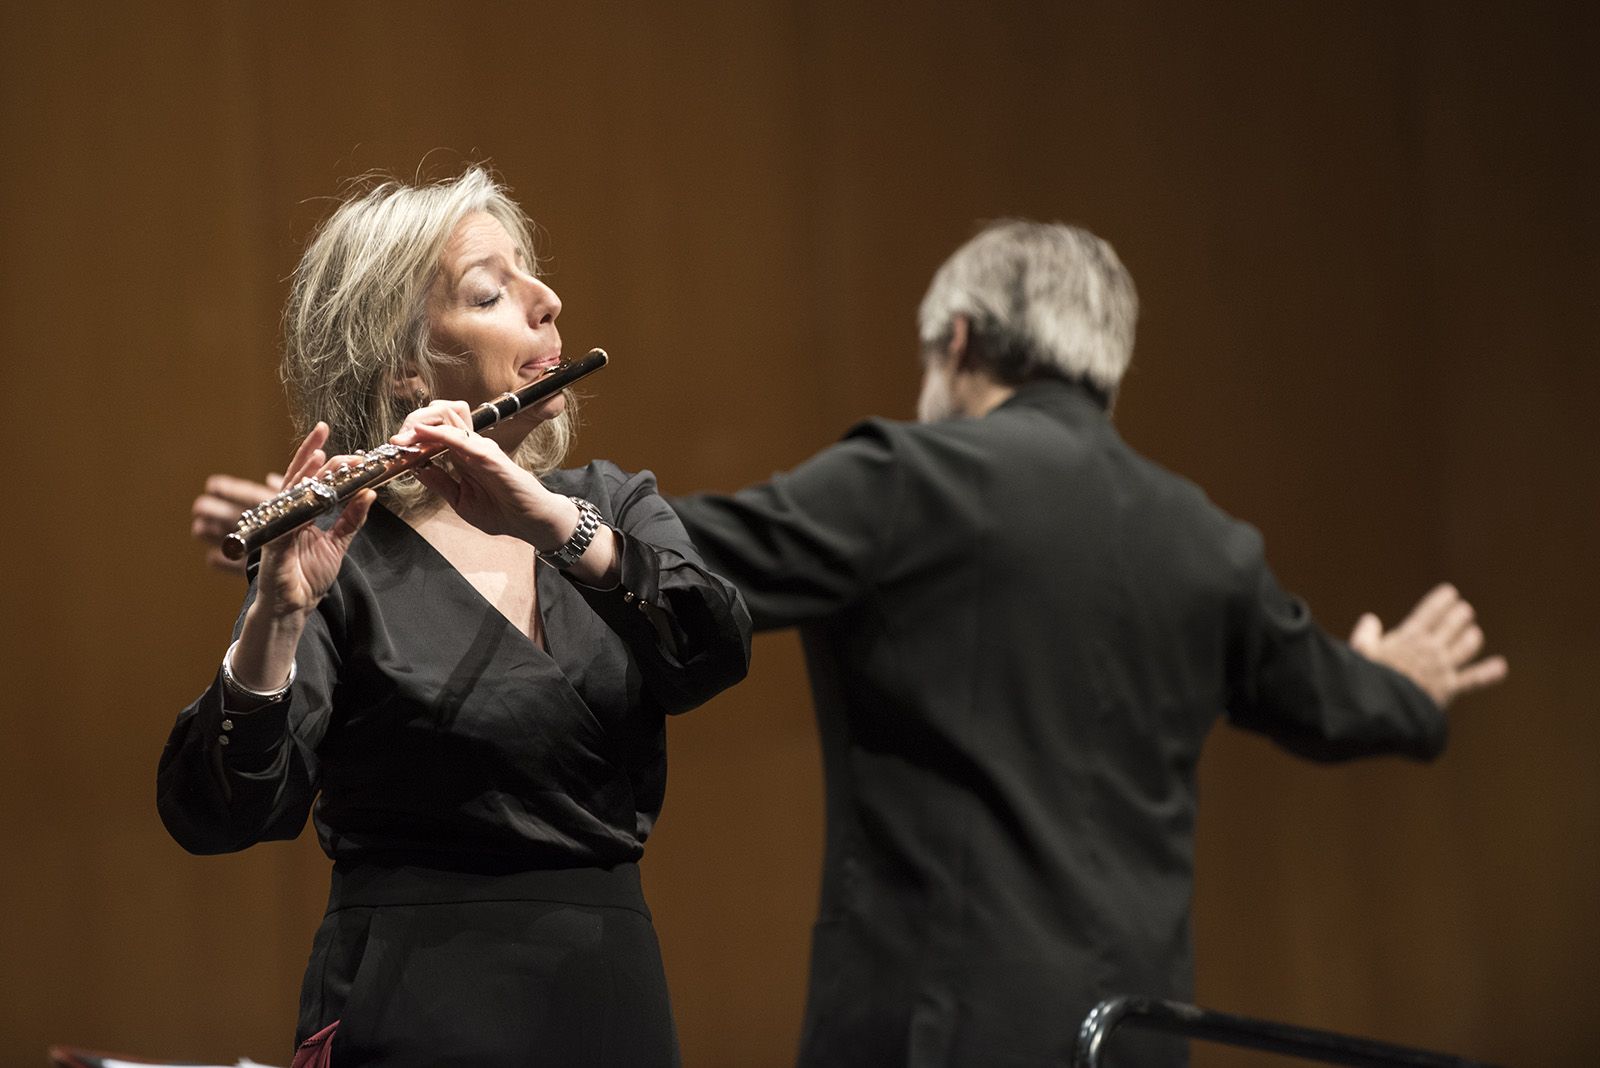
356 322
1040 299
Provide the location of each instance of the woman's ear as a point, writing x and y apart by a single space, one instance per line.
409 388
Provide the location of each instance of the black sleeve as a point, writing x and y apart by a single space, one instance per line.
229 778
687 627
809 542
1312 693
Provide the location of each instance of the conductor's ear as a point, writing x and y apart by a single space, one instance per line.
955 354
958 350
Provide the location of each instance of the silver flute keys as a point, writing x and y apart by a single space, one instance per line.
304 501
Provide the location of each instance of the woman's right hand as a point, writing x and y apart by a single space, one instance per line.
298 569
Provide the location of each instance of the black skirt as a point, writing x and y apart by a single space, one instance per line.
433 968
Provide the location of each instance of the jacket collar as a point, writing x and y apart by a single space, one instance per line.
1061 396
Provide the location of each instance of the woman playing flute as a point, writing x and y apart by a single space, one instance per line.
462 679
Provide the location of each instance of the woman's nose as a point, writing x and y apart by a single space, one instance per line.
543 304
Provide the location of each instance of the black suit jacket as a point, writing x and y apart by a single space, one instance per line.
1019 632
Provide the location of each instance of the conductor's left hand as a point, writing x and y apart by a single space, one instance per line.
1436 646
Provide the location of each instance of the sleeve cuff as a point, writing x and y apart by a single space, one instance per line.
240 734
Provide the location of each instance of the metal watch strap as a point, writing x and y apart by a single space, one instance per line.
588 526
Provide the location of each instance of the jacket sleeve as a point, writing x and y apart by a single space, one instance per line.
809 542
1310 692
687 627
228 779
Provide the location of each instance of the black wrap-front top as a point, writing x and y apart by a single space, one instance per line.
424 727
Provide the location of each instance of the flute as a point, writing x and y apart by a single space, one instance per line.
310 497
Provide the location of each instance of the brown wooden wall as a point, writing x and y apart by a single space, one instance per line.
1365 236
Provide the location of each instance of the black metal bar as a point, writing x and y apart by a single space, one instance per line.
1191 1021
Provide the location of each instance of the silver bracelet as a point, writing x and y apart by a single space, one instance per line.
242 690
588 526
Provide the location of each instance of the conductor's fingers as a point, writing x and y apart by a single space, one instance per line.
1465 645
1485 672
1366 635
217 559
239 492
1426 615
210 509
1454 622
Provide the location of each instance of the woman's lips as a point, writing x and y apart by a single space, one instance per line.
536 369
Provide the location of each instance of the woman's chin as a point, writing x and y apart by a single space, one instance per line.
551 408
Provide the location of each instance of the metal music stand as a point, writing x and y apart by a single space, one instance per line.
1191 1021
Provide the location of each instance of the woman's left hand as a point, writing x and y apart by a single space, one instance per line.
484 485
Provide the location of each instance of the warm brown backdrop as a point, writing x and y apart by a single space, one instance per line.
1366 240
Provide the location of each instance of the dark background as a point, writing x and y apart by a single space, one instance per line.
1365 240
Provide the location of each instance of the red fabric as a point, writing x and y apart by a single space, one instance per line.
316 1051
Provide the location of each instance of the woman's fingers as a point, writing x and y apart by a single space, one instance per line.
333 463
439 413
353 515
462 442
304 457
441 432
305 466
439 481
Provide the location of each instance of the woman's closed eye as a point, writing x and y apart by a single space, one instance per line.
489 300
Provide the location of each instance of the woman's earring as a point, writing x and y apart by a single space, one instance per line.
421 397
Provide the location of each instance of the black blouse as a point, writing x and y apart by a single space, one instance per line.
436 732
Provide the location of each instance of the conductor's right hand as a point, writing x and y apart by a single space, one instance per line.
215 513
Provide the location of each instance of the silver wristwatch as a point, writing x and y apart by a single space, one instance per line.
588 526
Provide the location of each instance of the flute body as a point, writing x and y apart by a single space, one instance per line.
310 497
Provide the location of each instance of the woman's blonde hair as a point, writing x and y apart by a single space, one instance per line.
356 323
